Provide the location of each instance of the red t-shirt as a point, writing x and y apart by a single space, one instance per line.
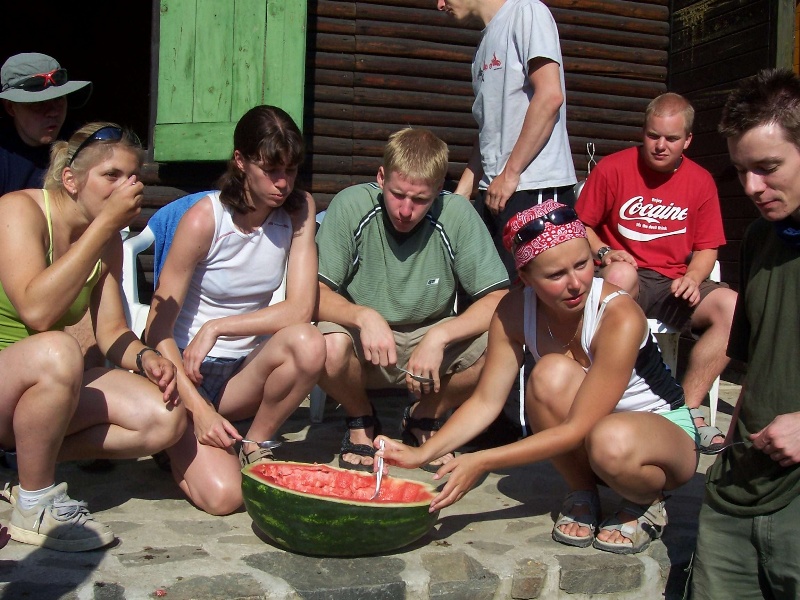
660 219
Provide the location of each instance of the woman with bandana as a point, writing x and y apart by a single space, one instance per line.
603 405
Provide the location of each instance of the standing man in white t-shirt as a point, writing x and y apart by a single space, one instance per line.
522 155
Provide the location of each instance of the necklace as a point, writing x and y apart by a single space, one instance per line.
552 337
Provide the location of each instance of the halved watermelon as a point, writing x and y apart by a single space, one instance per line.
326 511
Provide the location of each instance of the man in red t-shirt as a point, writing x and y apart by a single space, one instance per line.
655 225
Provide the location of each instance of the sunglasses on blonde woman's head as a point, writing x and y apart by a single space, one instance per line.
110 133
40 81
533 229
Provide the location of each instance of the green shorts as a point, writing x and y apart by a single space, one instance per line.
683 419
458 356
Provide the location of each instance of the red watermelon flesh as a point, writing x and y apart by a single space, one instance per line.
322 480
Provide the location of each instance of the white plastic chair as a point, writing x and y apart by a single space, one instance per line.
668 339
136 312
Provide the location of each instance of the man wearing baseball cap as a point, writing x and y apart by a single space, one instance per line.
36 93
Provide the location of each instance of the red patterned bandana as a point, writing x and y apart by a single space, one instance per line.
534 230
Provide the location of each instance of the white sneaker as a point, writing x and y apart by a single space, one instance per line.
59 523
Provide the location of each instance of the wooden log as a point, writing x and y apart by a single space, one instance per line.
327 25
333 9
612 22
631 104
604 115
392 115
391 98
328 42
402 99
630 54
652 10
413 32
614 68
390 66
381 131
604 131
366 44
622 36
320 144
618 86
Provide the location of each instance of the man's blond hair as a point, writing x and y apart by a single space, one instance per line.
670 104
416 154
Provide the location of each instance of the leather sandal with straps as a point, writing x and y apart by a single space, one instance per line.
424 424
649 523
348 447
567 516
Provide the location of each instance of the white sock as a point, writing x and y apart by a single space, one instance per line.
27 500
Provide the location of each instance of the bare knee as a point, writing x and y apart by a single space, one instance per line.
309 350
219 496
338 352
165 424
60 358
551 379
622 275
611 445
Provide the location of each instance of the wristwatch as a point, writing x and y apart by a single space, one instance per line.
139 357
603 251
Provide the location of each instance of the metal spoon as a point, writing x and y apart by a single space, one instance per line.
717 448
420 378
379 474
268 444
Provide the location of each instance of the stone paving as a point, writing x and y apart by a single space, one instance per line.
494 544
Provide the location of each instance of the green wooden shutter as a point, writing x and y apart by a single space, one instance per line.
216 60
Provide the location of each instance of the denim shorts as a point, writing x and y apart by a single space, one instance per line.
216 372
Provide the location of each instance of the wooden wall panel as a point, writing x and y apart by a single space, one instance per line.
378 65
715 45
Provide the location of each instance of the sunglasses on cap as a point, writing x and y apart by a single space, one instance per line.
109 133
40 81
533 229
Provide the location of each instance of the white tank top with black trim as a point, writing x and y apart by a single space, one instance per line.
651 386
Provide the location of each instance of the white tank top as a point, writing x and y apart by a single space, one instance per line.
650 388
238 276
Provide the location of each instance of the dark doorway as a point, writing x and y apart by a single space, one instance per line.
108 43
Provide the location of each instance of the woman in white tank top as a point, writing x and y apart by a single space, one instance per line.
602 403
240 355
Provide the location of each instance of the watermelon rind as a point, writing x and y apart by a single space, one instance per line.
323 526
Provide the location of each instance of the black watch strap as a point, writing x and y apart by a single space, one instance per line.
141 353
603 251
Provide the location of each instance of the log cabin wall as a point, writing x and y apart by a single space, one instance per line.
378 65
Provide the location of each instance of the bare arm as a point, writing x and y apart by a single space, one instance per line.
426 359
377 337
472 173
190 244
540 118
114 338
42 293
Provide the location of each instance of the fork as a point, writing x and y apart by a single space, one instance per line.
268 444
420 378
717 449
379 474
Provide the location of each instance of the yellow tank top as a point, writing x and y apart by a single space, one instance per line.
12 329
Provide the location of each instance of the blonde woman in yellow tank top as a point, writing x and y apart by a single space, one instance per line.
61 255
